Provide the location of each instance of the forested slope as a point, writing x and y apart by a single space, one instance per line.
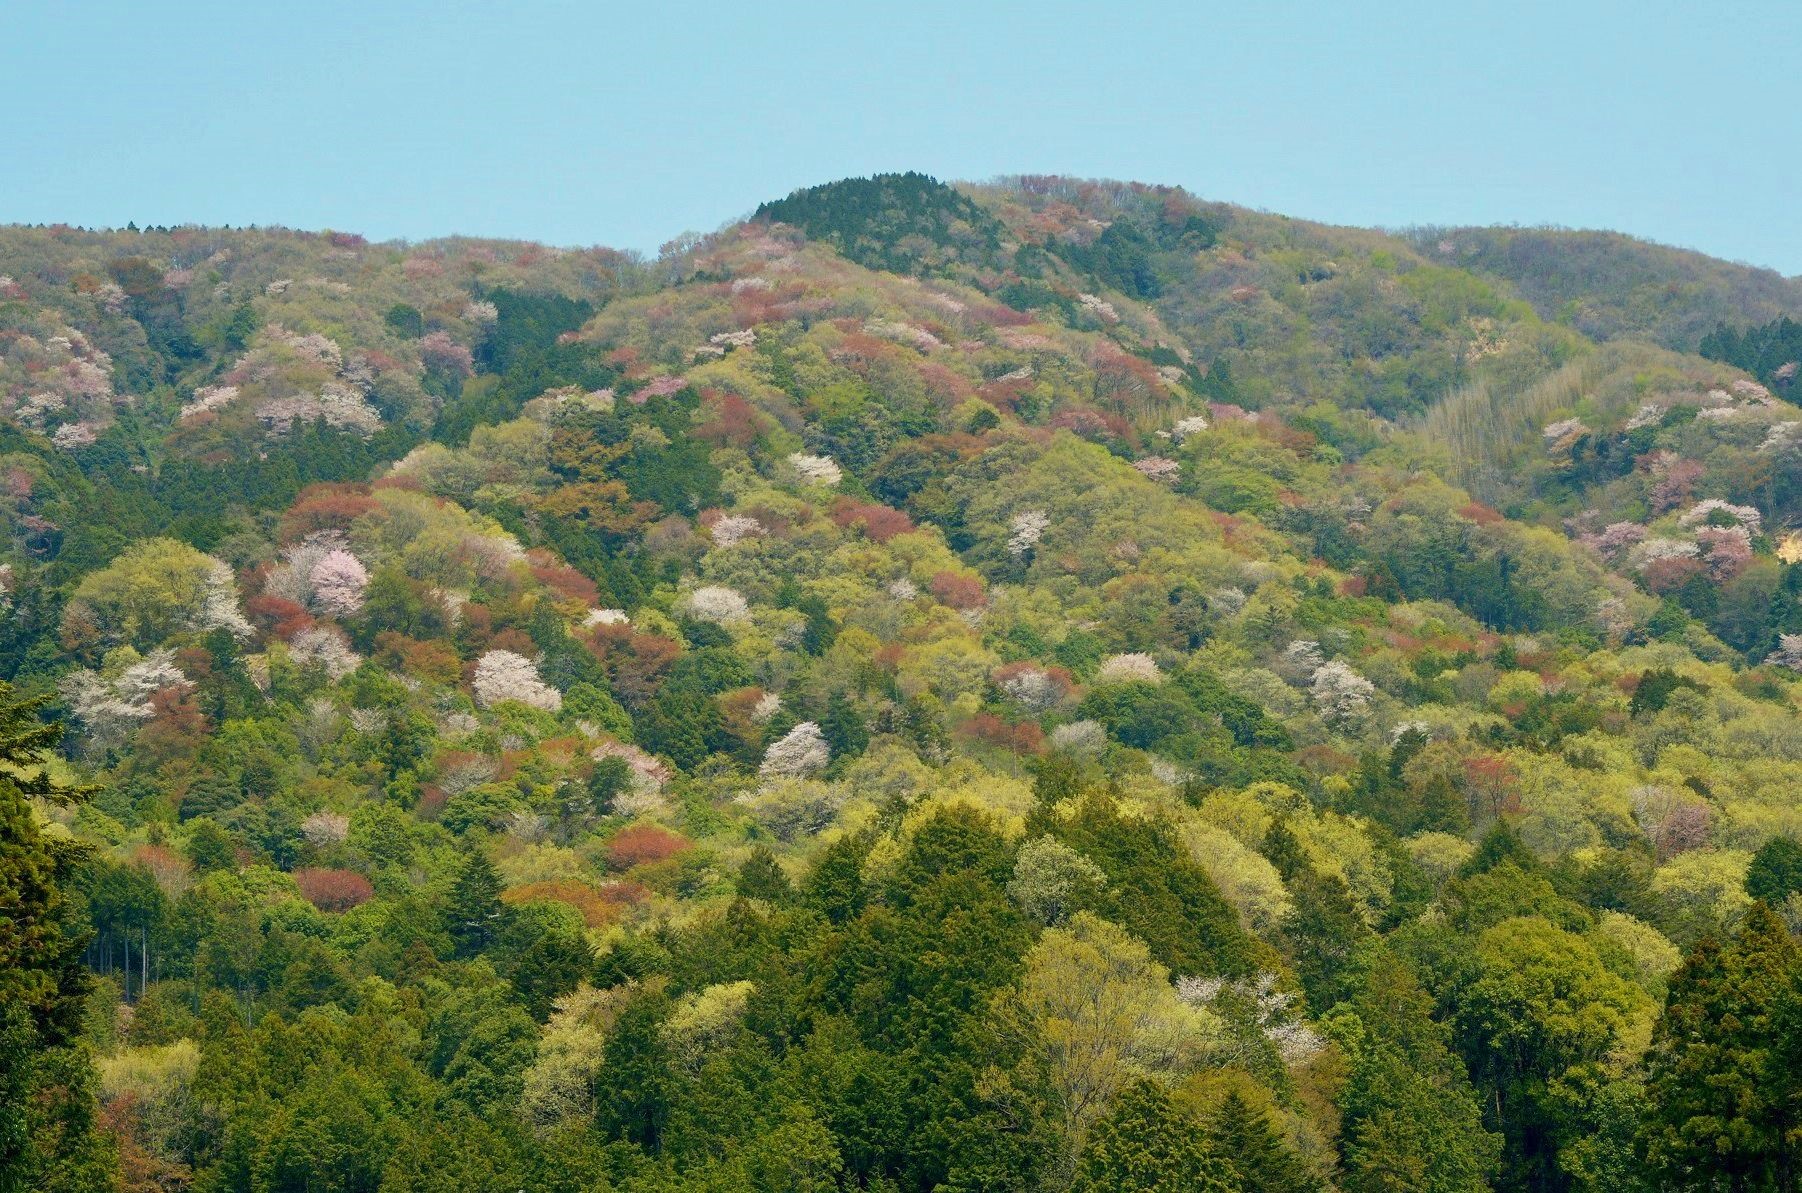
1039 685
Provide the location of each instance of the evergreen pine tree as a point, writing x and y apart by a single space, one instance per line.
1323 931
1145 1146
1500 844
1776 871
1712 1106
475 913
1057 777
1404 1074
47 1140
1243 1133
835 885
762 877
843 727
633 1090
1323 928
1283 850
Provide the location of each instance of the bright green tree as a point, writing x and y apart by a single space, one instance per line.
1543 1025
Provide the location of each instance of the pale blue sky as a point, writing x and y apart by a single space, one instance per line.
625 125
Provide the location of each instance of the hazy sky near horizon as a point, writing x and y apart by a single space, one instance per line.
628 124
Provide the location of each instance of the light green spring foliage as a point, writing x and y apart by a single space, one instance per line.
1050 879
1099 1011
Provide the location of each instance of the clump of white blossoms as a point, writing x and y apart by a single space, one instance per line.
1788 652
1702 511
718 604
209 398
800 751
1027 528
341 406
767 706
1079 737
1158 468
1099 307
1228 600
1422 728
1784 438
1274 1011
321 574
1185 427
368 720
734 339
325 647
219 606
1303 655
502 675
903 589
815 470
903 333
109 711
1613 616
733 529
1129 668
70 436
1340 693
1034 688
325 828
339 580
1564 432
605 617
1653 550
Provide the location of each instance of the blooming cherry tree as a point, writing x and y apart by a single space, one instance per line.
339 580
1713 510
1185 427
439 351
325 646
1129 668
1027 528
733 529
801 751
718 604
1340 693
1788 652
815 470
502 675
1159 468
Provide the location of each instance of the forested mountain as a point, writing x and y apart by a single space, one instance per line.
1035 685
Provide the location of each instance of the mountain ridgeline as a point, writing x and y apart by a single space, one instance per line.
1039 685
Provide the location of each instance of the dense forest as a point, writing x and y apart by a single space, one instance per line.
1041 685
